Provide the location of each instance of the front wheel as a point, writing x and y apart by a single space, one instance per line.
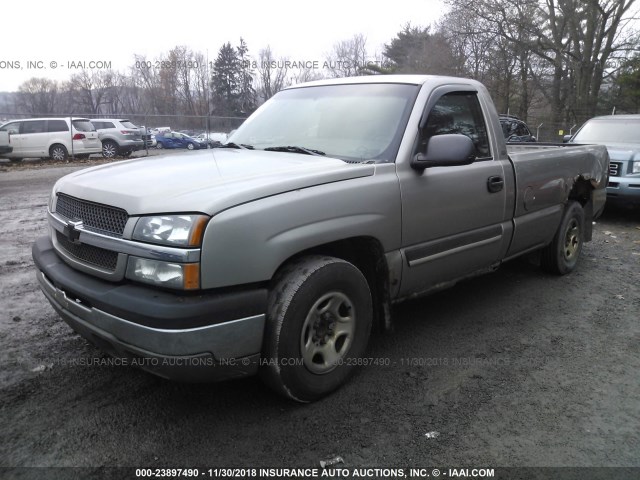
159 146
318 324
561 255
109 149
190 146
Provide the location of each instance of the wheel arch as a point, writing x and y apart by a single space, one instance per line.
582 192
366 253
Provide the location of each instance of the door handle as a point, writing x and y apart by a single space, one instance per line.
495 183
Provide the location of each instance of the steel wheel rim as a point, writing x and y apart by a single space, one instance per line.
328 332
190 146
572 240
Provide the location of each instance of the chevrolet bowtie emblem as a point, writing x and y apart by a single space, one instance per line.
72 230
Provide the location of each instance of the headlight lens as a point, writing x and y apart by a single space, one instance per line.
636 167
183 276
175 230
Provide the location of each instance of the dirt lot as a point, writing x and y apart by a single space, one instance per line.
518 368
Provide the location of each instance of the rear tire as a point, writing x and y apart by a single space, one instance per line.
319 319
190 146
562 254
159 146
58 152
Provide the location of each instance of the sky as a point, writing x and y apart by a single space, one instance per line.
54 39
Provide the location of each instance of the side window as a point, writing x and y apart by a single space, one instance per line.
108 125
57 126
33 126
458 112
13 128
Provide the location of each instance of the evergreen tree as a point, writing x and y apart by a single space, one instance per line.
232 82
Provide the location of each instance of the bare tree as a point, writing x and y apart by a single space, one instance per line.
576 40
38 96
89 89
348 57
272 73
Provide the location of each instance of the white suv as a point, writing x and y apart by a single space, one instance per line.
119 136
57 138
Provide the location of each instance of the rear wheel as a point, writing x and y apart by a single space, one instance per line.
562 254
159 146
190 146
318 323
58 152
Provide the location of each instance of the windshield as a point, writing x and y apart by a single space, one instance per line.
351 122
609 131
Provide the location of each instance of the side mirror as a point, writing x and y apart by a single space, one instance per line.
566 138
446 151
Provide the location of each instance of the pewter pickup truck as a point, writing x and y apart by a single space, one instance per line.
277 253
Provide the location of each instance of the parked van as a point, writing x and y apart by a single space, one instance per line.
56 138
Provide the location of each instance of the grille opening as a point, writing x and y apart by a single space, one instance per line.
95 216
99 257
614 169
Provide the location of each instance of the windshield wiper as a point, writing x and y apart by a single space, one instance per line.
242 146
295 149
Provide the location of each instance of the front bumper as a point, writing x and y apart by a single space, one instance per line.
624 190
203 338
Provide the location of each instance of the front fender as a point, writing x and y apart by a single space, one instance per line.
249 242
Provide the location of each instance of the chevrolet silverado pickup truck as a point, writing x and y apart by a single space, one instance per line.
278 252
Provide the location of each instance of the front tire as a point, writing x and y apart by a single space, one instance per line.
562 254
58 152
318 324
109 149
159 146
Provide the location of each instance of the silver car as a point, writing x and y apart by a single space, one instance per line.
118 136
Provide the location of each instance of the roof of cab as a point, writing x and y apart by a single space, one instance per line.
403 79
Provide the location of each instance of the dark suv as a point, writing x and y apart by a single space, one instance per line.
515 130
119 136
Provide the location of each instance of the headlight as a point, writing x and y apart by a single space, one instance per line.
635 167
183 276
174 230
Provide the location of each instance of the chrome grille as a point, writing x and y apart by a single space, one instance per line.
95 216
614 169
105 259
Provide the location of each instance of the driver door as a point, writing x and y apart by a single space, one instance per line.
454 218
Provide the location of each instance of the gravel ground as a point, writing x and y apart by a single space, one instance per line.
514 369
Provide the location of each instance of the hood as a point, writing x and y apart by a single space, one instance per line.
208 181
622 152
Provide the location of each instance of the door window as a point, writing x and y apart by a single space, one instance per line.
458 112
33 126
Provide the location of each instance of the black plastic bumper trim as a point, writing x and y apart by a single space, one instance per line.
148 306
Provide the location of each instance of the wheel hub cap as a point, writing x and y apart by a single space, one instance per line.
572 241
327 333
